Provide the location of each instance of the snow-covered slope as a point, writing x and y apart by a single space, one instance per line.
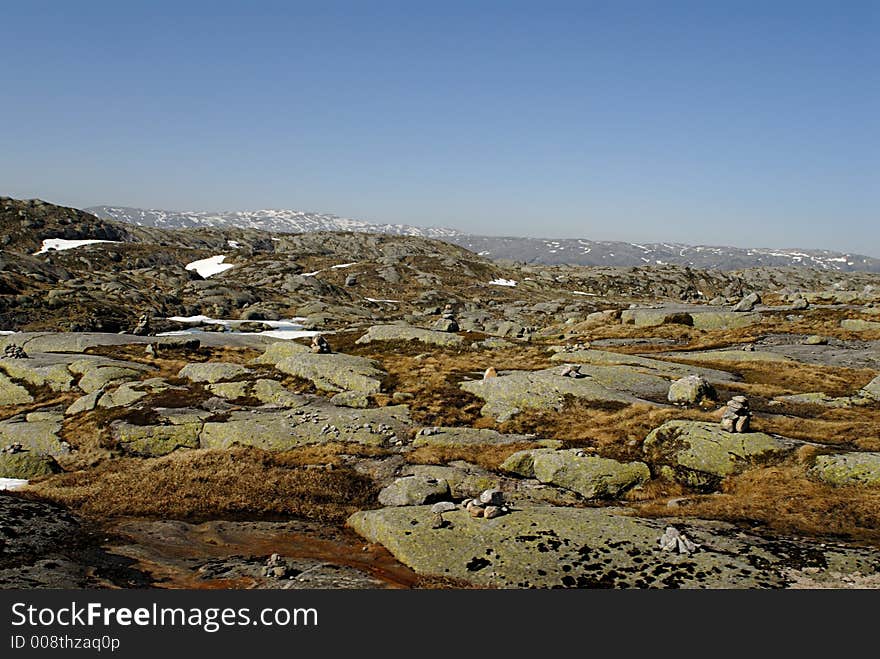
283 221
529 250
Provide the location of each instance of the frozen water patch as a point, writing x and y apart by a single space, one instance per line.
233 244
12 483
372 299
212 265
62 244
584 293
342 265
281 329
7 332
503 282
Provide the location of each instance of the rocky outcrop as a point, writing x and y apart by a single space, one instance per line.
691 390
407 333
12 393
335 372
414 491
701 453
213 372
848 468
591 477
453 437
547 547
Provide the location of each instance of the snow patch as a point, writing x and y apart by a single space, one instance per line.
212 265
62 244
502 282
12 483
281 329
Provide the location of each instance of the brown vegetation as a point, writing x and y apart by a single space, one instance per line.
200 485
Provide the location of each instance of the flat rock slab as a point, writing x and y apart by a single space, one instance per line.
40 435
156 440
77 342
547 547
859 325
849 468
407 333
729 356
335 371
510 393
12 393
648 365
705 319
589 476
451 437
701 453
283 429
213 372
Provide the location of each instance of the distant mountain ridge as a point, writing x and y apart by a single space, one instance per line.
529 250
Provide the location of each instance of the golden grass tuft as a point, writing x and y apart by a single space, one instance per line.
201 485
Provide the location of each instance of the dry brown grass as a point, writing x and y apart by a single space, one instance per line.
861 430
201 485
487 456
786 500
615 431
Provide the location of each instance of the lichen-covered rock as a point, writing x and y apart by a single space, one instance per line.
690 390
351 399
848 468
26 464
155 440
872 389
40 371
732 356
511 393
335 372
748 302
40 434
452 437
281 350
591 477
280 430
99 377
655 317
414 491
213 372
547 547
638 363
859 325
12 393
407 333
701 453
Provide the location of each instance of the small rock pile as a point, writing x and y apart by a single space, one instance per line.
277 568
736 416
490 373
489 504
143 326
12 448
447 321
13 351
320 345
571 371
673 539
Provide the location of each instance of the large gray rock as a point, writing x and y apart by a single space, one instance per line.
40 434
509 394
156 440
859 325
282 350
12 393
872 389
452 437
546 547
414 491
213 372
702 453
407 333
848 468
26 464
691 390
638 363
41 370
335 372
281 430
724 320
748 302
591 477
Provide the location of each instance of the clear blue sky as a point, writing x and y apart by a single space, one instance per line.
745 123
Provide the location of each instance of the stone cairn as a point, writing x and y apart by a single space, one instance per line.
143 326
277 568
320 345
673 539
13 448
447 321
736 415
571 371
490 373
13 351
489 504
